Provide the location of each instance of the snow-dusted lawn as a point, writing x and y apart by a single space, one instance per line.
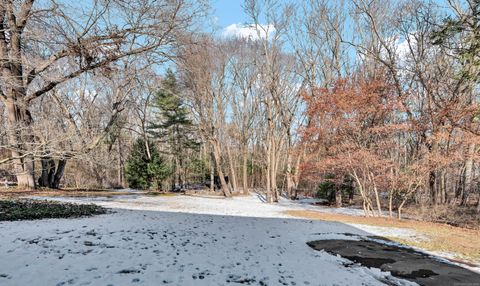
138 247
244 206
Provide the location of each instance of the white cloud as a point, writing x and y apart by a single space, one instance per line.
252 31
399 46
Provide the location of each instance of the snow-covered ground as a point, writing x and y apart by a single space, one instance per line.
244 206
181 240
132 247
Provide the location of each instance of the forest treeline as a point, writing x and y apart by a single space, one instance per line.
376 100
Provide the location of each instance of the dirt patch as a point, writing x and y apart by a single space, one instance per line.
401 262
440 237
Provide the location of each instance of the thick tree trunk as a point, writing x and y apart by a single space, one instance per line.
20 119
48 173
51 175
59 173
43 180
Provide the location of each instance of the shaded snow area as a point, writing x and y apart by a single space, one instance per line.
139 247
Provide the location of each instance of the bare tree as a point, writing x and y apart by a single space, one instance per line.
45 44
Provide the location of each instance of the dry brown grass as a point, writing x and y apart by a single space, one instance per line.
456 215
462 242
161 194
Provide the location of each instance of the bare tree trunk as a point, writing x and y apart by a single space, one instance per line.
218 164
467 182
120 164
51 173
245 170
19 118
377 198
212 174
289 177
232 164
338 196
270 162
273 169
43 180
59 173
375 191
443 186
268 193
390 203
432 178
478 203
296 176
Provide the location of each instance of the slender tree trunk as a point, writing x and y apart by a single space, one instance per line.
289 177
361 191
212 174
218 165
296 176
245 170
338 196
273 170
443 186
390 203
233 174
120 164
269 193
432 178
467 182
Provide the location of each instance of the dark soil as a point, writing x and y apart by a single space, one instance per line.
11 210
401 262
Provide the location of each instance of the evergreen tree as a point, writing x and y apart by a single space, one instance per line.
173 126
461 35
143 171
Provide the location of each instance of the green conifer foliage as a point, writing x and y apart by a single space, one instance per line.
173 126
143 172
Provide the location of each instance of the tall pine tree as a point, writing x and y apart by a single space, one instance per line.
174 127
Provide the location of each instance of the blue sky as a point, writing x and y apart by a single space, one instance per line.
229 12
231 20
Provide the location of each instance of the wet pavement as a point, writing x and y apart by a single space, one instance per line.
402 262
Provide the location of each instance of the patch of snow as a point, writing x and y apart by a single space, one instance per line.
133 247
243 206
